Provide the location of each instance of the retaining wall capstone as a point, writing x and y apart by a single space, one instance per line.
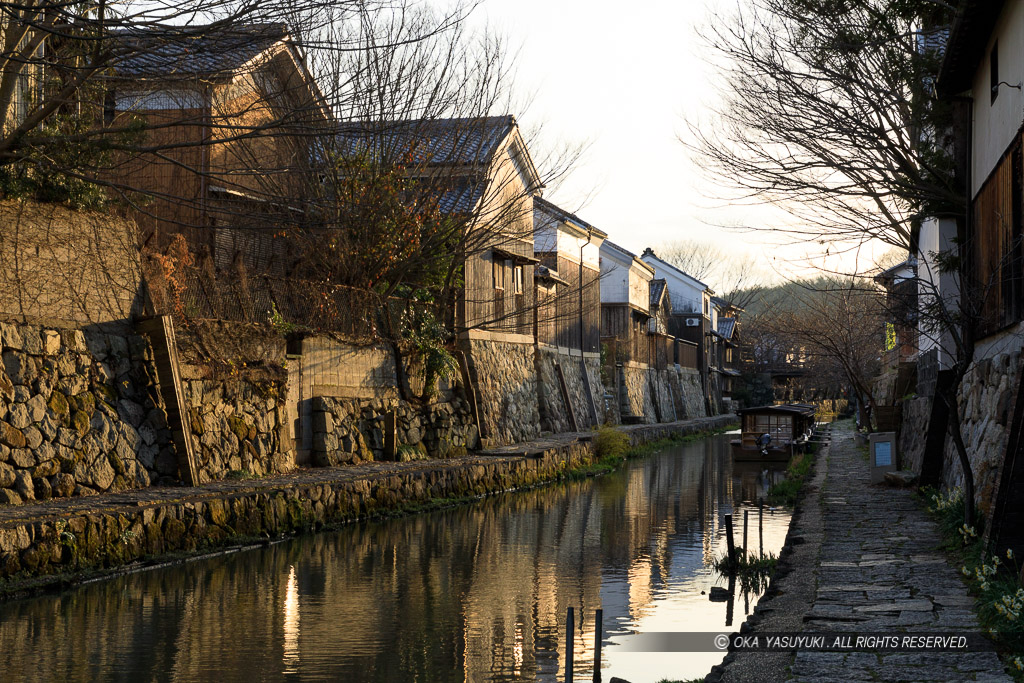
77 414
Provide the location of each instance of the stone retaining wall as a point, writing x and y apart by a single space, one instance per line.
506 387
77 414
637 389
917 414
985 397
66 540
667 395
352 430
239 427
690 393
553 414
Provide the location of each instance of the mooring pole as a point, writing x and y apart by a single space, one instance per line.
569 631
760 526
730 542
598 635
730 606
746 514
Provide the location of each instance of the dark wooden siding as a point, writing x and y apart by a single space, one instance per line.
499 310
994 245
628 328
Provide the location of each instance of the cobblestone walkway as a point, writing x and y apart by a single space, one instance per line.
879 572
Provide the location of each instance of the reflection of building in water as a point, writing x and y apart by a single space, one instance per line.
476 593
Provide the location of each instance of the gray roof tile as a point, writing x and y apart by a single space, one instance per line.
191 51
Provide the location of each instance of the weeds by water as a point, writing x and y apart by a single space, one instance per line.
786 492
753 571
994 581
612 448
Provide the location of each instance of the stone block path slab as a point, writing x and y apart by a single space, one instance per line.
875 569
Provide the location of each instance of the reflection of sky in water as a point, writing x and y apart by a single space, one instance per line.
473 593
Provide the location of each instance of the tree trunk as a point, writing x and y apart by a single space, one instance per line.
965 466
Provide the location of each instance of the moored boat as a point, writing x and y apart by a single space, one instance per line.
773 432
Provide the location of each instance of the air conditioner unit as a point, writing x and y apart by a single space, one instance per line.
692 322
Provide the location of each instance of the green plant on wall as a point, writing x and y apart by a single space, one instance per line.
429 341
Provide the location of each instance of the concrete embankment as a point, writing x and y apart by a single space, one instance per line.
68 539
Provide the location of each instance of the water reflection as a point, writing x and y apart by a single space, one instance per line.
475 593
291 623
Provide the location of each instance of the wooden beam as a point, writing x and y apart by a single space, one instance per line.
160 330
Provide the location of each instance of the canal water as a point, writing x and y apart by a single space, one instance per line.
472 593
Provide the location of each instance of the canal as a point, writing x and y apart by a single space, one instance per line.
472 593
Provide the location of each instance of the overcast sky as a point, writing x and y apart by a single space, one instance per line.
626 81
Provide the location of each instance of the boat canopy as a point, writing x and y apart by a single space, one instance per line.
803 409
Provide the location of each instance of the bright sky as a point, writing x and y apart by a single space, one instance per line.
626 79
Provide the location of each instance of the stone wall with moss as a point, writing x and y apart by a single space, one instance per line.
114 532
79 414
350 431
240 427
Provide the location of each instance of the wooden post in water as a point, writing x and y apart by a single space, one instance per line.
730 606
569 631
731 544
760 526
598 635
746 514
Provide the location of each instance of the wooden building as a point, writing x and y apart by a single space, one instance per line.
569 249
625 302
692 318
233 117
982 71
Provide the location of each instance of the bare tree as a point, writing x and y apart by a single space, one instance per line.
831 114
736 278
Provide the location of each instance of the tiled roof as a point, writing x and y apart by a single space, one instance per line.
726 326
541 204
463 197
458 141
649 253
974 22
657 292
192 51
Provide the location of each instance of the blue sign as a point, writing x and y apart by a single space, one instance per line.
883 454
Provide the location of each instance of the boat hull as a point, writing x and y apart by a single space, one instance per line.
774 454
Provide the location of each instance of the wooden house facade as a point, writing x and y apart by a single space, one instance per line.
982 70
569 249
233 117
625 302
692 316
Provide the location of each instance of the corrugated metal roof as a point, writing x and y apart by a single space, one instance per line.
191 51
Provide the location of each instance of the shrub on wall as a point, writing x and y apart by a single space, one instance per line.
610 443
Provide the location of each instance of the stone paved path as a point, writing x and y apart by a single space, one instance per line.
879 571
866 562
